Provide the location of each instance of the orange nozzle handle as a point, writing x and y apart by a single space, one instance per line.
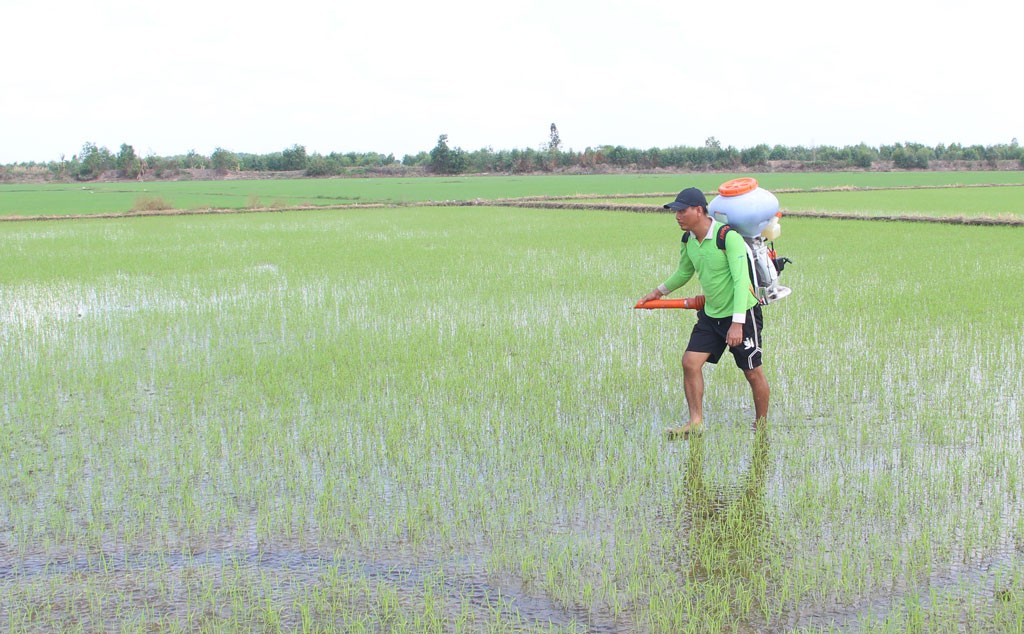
693 303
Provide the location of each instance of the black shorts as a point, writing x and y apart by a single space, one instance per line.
709 336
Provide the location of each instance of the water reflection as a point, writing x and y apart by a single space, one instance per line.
729 534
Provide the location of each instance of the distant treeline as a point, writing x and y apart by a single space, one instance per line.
96 161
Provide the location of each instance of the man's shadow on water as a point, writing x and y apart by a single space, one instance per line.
726 535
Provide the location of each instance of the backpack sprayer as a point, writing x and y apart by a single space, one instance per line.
754 214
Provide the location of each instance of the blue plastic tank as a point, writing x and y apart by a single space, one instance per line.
744 206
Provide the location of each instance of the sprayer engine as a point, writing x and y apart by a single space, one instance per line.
754 213
766 266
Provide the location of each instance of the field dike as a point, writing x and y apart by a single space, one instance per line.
579 202
1001 220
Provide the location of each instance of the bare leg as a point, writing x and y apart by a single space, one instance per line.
693 384
759 387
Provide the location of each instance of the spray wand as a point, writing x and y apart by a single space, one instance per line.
692 303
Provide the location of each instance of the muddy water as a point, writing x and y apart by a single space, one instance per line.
168 584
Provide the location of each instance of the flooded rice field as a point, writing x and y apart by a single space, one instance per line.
265 423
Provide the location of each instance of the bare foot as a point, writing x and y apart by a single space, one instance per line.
691 428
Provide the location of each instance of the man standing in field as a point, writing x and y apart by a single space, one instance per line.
731 315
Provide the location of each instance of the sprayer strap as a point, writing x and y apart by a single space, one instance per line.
720 238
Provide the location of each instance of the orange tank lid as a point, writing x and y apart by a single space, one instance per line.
737 186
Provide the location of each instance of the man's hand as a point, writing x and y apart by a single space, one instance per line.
655 294
734 337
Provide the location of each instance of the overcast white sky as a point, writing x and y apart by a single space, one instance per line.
390 76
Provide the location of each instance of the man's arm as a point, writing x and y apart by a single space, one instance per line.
682 275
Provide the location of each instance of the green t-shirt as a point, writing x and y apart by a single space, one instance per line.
723 275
